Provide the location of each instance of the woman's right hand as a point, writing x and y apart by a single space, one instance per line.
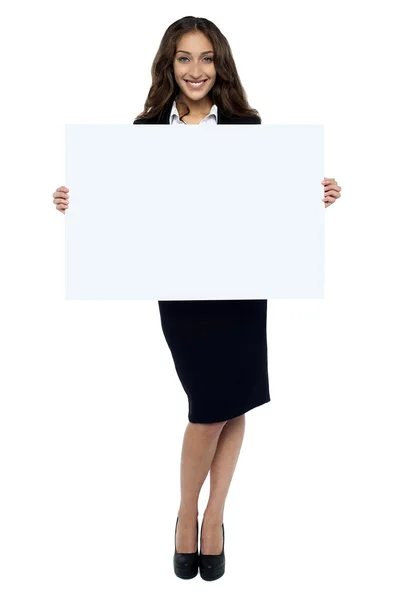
61 198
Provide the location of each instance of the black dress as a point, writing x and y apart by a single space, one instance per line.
219 347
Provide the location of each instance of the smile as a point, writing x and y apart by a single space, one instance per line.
195 85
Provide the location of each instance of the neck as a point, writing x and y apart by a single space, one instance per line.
197 108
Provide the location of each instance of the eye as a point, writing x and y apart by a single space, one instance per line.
206 57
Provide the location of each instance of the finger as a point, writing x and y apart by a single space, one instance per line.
60 195
333 187
334 192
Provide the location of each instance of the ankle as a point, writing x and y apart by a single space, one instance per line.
188 513
213 516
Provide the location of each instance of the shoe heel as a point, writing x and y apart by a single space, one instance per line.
185 564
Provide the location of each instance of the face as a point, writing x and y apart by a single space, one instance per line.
196 63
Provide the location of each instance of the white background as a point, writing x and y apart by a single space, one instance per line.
89 463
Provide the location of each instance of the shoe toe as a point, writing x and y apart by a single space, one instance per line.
185 560
209 562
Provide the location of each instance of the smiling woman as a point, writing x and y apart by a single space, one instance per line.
219 347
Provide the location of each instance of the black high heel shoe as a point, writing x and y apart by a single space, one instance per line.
185 564
212 566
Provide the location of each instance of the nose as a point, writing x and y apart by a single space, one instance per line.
196 73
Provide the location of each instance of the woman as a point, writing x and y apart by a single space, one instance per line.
219 347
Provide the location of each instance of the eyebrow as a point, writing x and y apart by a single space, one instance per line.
185 52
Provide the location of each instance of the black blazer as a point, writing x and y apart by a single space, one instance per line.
223 119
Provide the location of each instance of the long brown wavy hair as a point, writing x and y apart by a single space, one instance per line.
227 92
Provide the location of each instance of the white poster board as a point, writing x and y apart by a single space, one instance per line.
194 213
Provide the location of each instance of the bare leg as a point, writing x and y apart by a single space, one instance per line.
199 446
221 473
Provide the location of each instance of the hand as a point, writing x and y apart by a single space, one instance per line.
61 198
331 191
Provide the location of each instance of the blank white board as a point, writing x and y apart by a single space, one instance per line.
194 213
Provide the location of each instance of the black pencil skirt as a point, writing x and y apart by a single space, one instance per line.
219 348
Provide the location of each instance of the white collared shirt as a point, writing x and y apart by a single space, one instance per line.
210 119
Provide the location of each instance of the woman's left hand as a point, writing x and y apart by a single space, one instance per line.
331 191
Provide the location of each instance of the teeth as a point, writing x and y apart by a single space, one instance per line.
195 84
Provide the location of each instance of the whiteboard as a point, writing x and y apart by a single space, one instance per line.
194 213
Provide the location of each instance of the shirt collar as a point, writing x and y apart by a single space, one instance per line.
174 113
